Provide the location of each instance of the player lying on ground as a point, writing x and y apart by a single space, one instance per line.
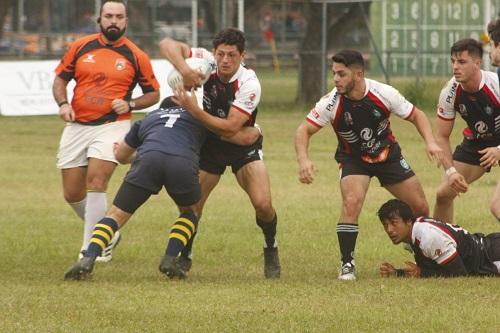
165 150
440 249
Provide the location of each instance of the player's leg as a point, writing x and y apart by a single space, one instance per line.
411 192
183 186
128 199
208 181
101 165
495 202
353 188
99 173
254 180
74 189
445 195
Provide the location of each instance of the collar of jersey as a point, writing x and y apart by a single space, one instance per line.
235 76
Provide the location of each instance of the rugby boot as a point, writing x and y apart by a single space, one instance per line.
272 268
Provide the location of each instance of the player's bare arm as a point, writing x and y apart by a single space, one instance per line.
421 122
302 138
455 180
66 112
122 106
175 52
226 127
123 152
245 137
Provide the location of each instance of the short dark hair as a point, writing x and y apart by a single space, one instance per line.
472 46
349 58
168 102
230 36
117 1
394 208
494 31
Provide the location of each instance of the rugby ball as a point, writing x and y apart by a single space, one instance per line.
175 77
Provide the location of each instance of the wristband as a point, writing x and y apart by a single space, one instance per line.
400 272
451 170
62 103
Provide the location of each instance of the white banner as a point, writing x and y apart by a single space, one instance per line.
26 86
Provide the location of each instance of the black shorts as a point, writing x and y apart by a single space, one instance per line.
179 175
216 155
467 152
392 171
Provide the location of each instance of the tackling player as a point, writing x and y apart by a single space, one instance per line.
230 99
164 148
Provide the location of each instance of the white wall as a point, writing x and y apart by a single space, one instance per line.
26 86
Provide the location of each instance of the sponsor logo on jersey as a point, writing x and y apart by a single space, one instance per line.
315 114
453 89
404 164
376 113
221 113
89 58
348 118
366 133
330 105
462 109
440 110
481 127
488 110
120 64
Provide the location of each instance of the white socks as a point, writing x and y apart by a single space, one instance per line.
95 210
79 207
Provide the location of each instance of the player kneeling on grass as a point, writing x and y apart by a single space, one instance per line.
440 249
164 148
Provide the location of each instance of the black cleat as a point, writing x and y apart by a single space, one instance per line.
184 263
81 270
272 268
168 266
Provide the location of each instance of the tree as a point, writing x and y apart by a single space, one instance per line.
342 19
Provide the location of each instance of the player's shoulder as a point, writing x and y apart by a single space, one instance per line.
135 49
450 88
328 101
84 40
490 79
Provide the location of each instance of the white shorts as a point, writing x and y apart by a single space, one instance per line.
80 142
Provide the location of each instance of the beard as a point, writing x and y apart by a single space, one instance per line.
112 33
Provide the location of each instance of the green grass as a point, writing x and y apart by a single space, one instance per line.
226 292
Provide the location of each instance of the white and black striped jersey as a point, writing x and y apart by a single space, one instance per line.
480 109
362 127
435 244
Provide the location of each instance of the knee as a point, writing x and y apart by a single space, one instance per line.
420 208
98 183
74 195
352 204
264 209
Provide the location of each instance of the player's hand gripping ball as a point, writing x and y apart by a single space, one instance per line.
175 77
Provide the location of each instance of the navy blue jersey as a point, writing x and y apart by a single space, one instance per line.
171 131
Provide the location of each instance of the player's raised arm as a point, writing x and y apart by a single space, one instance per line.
175 52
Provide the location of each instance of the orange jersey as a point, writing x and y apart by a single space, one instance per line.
104 73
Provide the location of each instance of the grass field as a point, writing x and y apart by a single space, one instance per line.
226 292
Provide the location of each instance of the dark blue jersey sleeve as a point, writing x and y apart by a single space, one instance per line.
132 137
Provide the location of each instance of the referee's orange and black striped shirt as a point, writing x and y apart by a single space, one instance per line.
103 73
